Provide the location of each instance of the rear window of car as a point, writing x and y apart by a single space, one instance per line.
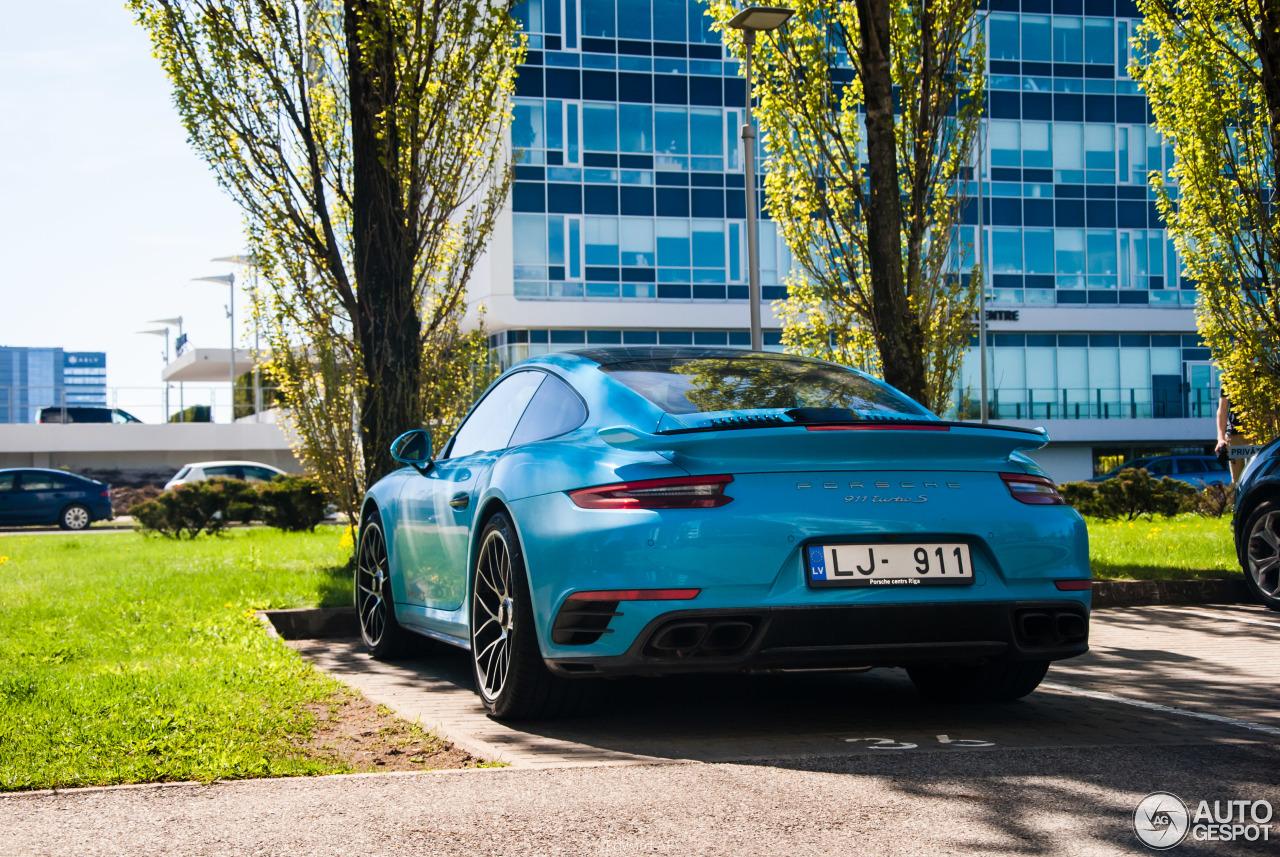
686 385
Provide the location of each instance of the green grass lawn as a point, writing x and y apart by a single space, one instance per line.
128 659
1179 548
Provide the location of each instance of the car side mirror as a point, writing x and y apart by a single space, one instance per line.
413 448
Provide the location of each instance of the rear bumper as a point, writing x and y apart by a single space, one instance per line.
758 640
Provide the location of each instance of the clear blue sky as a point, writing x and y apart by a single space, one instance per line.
105 213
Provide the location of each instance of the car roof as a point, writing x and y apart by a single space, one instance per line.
230 462
45 470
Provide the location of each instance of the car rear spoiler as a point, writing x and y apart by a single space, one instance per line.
882 444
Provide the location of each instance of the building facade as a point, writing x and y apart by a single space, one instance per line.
627 219
35 378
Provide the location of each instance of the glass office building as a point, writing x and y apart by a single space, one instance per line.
627 218
35 378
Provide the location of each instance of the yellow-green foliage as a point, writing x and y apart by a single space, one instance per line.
815 144
1210 71
361 261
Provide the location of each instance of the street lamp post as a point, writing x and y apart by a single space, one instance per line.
164 331
230 281
752 20
252 262
171 322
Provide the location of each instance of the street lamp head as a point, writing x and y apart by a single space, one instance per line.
161 332
168 321
761 18
225 279
238 259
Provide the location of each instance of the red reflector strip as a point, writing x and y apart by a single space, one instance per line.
636 595
1073 585
877 427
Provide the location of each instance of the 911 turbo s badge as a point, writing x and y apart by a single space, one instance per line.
881 485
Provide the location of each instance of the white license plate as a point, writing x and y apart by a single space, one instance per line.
897 564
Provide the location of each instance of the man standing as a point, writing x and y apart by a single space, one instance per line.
1229 435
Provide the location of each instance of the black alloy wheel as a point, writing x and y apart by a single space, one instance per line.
75 517
1261 554
375 606
511 678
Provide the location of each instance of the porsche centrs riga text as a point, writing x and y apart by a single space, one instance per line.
648 511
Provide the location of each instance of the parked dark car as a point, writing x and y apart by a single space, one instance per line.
86 415
37 496
1257 525
1195 470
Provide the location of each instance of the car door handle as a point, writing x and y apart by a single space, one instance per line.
460 500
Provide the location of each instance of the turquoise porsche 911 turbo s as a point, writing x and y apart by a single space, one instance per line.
650 511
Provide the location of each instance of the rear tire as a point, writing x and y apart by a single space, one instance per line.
1260 554
998 682
75 517
375 605
512 680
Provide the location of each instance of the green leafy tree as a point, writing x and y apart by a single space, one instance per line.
868 197
364 142
1211 70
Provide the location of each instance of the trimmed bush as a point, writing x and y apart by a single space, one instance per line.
194 508
292 503
1214 501
1132 494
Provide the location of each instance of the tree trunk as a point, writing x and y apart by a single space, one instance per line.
382 250
901 358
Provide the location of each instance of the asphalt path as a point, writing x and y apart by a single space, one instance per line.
1169 699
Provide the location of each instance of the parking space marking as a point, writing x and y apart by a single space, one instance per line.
1164 709
1223 615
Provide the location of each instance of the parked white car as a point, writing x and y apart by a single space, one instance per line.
249 471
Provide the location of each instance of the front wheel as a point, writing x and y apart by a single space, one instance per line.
1261 554
998 682
511 678
75 517
375 606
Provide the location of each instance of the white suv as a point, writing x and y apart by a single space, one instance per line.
249 471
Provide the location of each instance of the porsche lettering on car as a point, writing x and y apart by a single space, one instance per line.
651 511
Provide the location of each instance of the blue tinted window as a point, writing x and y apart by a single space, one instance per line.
1037 40
599 128
526 125
1069 250
555 139
555 240
673 243
600 199
601 240
1099 41
1068 39
530 239
1102 251
635 128
637 201
490 424
1002 36
555 410
575 255
704 131
668 20
671 130
597 18
633 19
636 242
1039 250
1006 250
708 245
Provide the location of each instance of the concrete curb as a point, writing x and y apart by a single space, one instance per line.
1145 593
321 623
313 623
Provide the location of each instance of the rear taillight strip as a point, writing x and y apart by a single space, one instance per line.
636 595
677 492
1032 490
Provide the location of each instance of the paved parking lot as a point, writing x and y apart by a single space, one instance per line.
1154 676
1173 699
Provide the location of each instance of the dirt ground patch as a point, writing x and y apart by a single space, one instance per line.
370 737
